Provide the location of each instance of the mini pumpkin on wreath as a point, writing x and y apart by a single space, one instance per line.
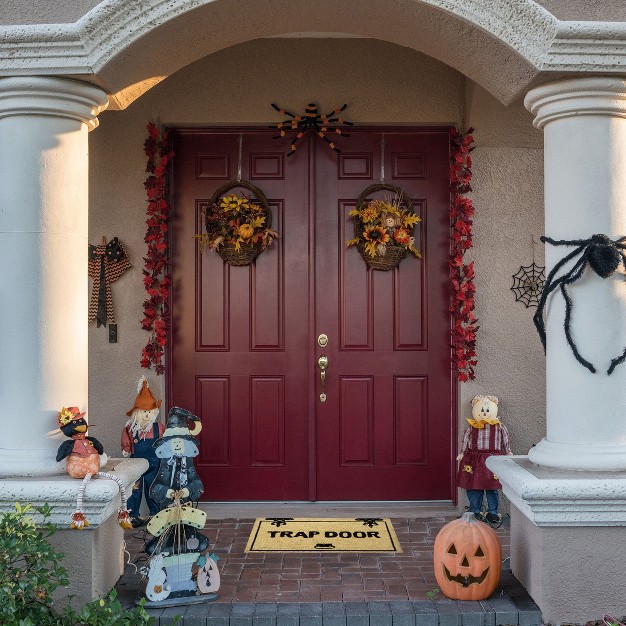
383 229
238 227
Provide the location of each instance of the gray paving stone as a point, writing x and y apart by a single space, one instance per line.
265 609
501 610
357 620
264 620
472 613
288 609
217 621
311 620
528 612
240 621
403 619
381 619
169 616
378 608
356 608
449 614
401 606
333 608
427 619
329 619
194 620
311 609
243 609
219 609
287 620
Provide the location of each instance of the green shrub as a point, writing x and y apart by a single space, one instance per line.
30 572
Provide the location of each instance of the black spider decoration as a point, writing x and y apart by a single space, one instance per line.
311 121
604 256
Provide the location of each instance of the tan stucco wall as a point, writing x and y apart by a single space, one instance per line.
382 83
58 11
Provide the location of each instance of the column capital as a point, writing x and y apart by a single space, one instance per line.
572 97
52 96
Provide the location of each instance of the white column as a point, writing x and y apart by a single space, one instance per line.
44 123
584 123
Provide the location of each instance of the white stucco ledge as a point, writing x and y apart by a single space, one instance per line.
555 497
101 499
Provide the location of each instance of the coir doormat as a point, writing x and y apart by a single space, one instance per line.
304 534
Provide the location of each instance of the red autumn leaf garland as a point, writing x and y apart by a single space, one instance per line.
464 323
156 278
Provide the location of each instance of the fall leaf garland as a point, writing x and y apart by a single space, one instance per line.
156 279
464 323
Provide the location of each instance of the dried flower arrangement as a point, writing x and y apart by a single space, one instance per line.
238 227
383 229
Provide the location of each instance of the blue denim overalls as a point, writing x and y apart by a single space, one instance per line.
143 449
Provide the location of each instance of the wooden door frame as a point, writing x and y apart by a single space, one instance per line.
312 431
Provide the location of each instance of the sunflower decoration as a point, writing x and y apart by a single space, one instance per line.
384 228
238 227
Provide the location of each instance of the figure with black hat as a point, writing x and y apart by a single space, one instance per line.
177 447
138 437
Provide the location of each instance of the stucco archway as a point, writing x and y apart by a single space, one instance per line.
129 46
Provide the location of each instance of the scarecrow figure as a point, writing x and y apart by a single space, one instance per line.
138 437
176 449
485 436
83 461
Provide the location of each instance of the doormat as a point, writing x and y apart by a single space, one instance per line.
304 534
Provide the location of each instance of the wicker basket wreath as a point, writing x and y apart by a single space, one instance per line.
383 228
238 226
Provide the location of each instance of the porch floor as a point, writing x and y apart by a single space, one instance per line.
335 589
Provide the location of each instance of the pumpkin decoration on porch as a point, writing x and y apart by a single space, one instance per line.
238 226
467 559
383 228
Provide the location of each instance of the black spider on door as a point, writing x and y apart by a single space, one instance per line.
311 121
603 255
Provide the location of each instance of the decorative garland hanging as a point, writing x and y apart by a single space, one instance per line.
464 323
157 279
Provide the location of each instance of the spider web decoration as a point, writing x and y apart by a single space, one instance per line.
528 284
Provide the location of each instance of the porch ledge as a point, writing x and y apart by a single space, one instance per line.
554 497
101 500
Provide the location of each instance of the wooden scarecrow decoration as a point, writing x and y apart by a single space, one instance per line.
83 461
179 571
138 437
484 436
107 263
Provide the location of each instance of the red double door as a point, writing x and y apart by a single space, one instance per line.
244 344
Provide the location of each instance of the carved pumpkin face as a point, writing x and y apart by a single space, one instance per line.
468 559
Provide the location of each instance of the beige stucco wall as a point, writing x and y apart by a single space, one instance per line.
382 83
59 11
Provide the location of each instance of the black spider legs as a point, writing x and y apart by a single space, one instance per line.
550 286
571 277
283 112
619 359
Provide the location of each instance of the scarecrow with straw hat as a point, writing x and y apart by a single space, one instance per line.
138 438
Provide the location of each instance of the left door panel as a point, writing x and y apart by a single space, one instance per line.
239 334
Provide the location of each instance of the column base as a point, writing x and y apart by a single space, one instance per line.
93 556
29 463
568 545
582 457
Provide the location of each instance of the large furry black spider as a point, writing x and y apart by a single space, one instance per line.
604 256
312 121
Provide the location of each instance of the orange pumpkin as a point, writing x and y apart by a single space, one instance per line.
246 231
468 559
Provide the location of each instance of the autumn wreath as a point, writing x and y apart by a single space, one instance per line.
238 226
383 228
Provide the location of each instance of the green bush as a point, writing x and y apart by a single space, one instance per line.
30 572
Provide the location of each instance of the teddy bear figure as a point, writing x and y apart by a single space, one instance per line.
138 437
484 436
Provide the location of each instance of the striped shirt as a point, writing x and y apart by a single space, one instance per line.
501 438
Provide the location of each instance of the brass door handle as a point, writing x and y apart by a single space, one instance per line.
322 363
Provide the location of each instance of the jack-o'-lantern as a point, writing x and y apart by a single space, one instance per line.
468 559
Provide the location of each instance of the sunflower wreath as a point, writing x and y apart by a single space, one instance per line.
383 229
238 227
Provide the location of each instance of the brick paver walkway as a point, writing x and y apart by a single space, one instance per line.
260 584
